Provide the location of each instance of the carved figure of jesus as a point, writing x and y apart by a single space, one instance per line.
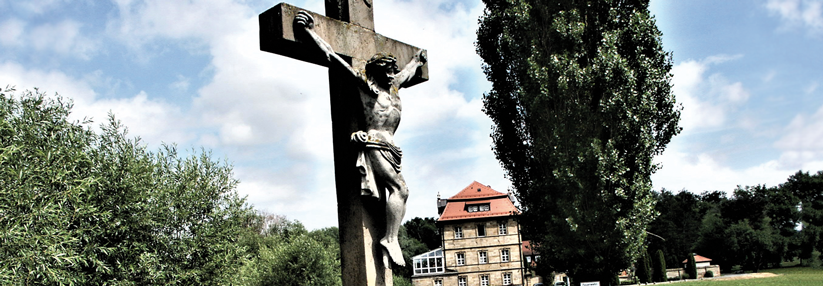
379 158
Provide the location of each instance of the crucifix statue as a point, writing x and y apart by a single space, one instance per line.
364 80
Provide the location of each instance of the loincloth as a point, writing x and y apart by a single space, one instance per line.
391 153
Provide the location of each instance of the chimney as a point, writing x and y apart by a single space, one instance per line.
441 204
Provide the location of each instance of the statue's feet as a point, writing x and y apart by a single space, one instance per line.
394 251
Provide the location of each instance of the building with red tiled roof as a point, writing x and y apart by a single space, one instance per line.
480 241
699 261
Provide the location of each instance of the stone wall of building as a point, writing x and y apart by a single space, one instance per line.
471 245
676 273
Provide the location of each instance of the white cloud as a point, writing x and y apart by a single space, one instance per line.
802 144
37 6
769 76
701 172
53 81
64 38
707 101
12 33
710 105
801 147
181 85
138 22
799 14
811 88
153 120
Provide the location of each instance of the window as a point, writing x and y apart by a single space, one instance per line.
478 208
504 255
461 258
484 257
439 282
481 230
429 262
507 279
458 232
502 229
484 280
461 281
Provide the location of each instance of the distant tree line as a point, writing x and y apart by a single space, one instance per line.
754 227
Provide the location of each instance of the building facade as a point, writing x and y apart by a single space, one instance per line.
481 244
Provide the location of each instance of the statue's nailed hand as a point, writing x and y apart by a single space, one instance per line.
359 137
304 19
421 56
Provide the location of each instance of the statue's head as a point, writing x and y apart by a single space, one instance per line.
382 67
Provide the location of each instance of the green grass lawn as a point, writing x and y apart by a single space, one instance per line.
795 276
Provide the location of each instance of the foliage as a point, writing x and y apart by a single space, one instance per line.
410 246
416 236
581 100
675 229
284 253
78 207
643 269
401 281
691 267
659 273
424 230
808 191
708 274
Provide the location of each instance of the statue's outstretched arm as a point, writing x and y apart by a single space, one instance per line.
306 21
411 68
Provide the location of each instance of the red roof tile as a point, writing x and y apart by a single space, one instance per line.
476 193
698 258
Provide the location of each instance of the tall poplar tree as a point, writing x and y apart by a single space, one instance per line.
581 100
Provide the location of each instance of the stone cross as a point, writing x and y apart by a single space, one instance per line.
348 28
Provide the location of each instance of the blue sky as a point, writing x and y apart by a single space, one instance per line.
190 72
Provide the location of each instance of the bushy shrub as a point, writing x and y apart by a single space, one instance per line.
659 274
708 274
691 267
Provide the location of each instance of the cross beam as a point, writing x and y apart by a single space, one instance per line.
277 35
348 28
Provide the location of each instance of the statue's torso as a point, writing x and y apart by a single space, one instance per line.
382 113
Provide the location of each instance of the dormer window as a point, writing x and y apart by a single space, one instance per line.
478 208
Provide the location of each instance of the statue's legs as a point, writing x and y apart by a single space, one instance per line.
397 193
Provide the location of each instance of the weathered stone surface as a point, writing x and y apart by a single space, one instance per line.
277 35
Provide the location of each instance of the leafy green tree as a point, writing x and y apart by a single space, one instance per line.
416 236
78 207
581 100
691 267
284 253
411 246
659 273
643 269
808 189
679 216
713 242
401 281
753 248
425 230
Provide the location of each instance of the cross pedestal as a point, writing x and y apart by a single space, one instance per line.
348 27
